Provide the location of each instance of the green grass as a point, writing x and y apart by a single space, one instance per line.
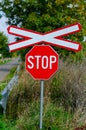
54 118
6 124
11 73
4 61
7 79
2 124
23 104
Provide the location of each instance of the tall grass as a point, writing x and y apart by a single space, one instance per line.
64 94
53 118
69 86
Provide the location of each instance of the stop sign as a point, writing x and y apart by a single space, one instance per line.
41 62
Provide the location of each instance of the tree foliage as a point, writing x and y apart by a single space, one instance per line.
46 15
3 45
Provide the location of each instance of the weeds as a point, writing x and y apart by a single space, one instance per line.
64 100
68 87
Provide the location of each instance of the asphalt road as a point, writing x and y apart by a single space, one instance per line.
5 69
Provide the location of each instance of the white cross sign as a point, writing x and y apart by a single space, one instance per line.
54 37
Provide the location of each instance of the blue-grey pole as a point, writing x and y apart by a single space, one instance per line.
41 104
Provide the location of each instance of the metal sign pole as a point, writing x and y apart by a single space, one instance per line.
41 103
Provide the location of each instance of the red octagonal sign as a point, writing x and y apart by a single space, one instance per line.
42 62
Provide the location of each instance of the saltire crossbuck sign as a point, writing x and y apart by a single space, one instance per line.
54 38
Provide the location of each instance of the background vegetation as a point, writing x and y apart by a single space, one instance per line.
46 15
4 50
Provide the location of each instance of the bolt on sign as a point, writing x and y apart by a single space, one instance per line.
42 62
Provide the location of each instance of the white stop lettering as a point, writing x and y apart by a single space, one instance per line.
46 62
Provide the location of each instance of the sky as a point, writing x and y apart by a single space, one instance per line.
3 28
